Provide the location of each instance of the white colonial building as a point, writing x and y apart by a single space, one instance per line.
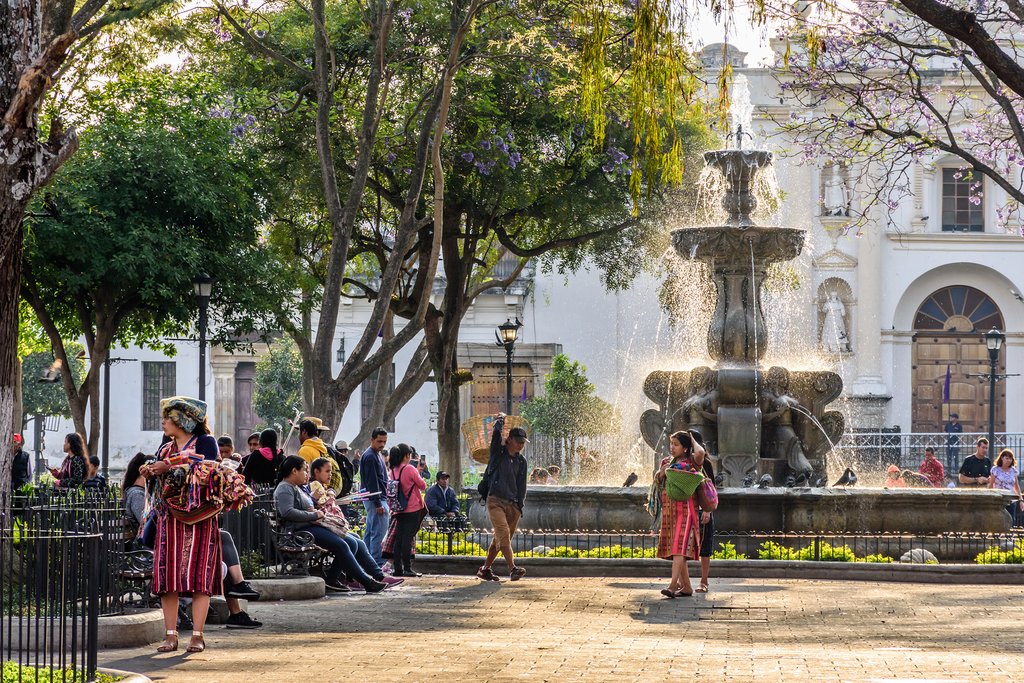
890 310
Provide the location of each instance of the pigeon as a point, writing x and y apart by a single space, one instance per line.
849 478
720 480
790 481
819 482
765 482
803 479
631 479
748 481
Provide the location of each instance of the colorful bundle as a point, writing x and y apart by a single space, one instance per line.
198 489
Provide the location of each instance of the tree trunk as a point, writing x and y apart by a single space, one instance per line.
449 424
19 401
10 284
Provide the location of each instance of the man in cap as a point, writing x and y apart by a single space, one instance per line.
21 463
504 483
310 445
953 430
345 467
444 506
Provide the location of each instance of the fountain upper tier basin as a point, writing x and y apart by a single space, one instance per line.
725 244
613 509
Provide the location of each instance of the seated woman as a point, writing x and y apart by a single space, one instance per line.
322 472
297 513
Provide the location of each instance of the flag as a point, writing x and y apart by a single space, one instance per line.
945 387
522 399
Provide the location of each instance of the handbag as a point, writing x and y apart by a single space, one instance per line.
484 487
707 496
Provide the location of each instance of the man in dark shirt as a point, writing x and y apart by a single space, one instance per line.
374 478
976 469
21 464
505 475
953 429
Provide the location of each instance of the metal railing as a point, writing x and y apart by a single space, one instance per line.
49 604
906 449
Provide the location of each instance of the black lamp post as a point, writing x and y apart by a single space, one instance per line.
994 341
202 285
506 335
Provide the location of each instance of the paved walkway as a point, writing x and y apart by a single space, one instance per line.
459 629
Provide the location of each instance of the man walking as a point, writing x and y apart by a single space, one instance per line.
953 430
977 468
374 478
504 487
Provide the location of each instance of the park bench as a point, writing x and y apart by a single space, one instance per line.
297 550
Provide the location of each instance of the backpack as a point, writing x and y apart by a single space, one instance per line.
345 469
397 500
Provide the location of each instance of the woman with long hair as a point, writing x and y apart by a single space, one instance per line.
405 524
1004 476
679 534
296 512
186 557
262 465
74 468
133 493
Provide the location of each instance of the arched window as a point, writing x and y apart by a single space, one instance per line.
958 309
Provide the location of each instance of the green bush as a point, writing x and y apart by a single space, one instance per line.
996 556
727 551
770 550
432 543
13 673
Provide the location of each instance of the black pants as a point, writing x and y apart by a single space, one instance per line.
407 526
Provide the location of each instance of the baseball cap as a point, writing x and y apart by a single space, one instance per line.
341 445
518 433
442 475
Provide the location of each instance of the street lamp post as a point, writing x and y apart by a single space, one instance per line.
506 335
202 285
994 342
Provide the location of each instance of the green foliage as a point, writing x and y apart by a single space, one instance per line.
569 410
727 551
251 563
278 391
431 543
826 552
995 555
40 398
12 672
163 188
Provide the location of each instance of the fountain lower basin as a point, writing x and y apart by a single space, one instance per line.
612 509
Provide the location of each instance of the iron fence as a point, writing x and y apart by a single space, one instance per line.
906 449
49 604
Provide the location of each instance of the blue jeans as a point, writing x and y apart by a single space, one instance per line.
376 529
350 556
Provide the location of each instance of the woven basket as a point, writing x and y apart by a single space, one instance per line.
681 485
477 433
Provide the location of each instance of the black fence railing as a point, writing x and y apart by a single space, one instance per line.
49 604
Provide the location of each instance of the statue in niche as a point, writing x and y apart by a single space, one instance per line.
778 421
836 199
834 337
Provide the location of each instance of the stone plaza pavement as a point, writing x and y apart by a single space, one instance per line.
615 629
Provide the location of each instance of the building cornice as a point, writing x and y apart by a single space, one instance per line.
954 240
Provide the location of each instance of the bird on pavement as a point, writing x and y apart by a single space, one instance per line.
849 478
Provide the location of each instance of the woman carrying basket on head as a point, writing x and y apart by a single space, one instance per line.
679 535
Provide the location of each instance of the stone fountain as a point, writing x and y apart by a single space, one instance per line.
754 421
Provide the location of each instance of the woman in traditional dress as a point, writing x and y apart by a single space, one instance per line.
679 535
186 557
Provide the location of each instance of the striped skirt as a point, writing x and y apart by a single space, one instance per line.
679 533
186 557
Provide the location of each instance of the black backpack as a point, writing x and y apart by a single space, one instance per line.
345 469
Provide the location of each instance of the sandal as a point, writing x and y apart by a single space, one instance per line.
702 588
193 645
668 592
683 594
170 643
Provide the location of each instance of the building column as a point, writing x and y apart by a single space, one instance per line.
868 391
223 371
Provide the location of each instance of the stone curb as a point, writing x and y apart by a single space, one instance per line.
298 588
126 676
742 569
131 630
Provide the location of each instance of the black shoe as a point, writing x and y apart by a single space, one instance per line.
372 586
336 587
485 574
242 620
242 591
408 573
516 574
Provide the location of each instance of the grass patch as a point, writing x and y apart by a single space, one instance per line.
15 673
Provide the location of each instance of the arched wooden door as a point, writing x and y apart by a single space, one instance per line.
950 329
488 388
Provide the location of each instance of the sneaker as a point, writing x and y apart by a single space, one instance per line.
485 574
242 591
387 569
242 620
336 587
516 573
372 586
355 586
392 581
184 620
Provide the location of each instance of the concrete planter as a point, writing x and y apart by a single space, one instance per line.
133 629
298 588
